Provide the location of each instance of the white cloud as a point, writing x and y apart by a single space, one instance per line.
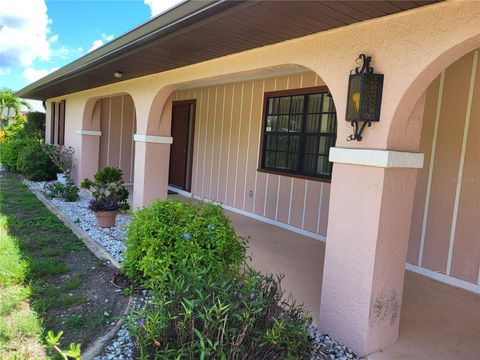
24 29
30 74
107 37
53 39
159 6
5 71
36 105
96 44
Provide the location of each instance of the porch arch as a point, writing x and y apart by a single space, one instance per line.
403 133
108 126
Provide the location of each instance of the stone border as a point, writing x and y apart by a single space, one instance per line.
99 251
99 345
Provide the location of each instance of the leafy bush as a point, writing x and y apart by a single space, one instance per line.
202 315
9 152
68 192
104 204
171 232
34 162
16 130
35 125
108 183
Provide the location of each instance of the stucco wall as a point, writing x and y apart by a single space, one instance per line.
445 231
226 150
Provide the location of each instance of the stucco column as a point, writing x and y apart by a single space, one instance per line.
371 202
152 159
89 154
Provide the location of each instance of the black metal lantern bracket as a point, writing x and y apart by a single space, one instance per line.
364 97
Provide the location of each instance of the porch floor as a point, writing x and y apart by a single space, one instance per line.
438 321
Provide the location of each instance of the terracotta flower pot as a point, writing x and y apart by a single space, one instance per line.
105 219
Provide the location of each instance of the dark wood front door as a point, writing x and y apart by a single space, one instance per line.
183 115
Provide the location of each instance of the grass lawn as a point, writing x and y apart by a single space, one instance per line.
48 278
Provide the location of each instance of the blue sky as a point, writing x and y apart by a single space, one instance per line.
40 36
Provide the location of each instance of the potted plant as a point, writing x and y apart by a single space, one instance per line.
109 195
63 157
105 211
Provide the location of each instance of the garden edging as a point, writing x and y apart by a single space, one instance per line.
99 345
98 250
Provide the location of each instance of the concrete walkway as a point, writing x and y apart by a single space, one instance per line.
438 321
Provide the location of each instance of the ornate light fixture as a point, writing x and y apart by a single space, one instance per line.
364 97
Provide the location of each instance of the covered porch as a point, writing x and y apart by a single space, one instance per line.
402 187
437 321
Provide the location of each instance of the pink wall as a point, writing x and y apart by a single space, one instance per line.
226 150
445 231
225 160
117 124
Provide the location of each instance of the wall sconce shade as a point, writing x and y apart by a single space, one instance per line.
364 97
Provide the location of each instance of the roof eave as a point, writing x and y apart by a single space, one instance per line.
160 23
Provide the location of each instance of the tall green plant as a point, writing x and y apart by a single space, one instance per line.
168 233
200 314
8 102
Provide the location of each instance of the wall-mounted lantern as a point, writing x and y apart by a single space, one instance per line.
364 97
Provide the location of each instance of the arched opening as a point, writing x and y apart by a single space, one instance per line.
444 242
111 121
228 142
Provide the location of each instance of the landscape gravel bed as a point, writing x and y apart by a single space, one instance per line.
112 239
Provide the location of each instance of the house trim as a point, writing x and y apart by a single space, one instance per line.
153 139
446 279
376 158
89 132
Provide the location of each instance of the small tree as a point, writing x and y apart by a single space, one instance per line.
9 101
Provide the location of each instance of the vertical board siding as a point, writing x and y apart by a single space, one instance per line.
426 143
447 158
226 155
449 210
117 124
466 248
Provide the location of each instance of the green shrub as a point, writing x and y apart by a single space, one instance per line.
68 192
34 162
108 183
9 152
171 232
35 126
16 130
201 315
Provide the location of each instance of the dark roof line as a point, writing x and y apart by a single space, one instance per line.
162 23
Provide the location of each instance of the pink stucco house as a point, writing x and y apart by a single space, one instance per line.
244 103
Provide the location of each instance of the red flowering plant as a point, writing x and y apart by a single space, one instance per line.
63 157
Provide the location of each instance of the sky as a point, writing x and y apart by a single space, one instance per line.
39 36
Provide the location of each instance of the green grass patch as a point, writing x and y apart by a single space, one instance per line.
12 267
33 245
49 266
75 321
11 297
73 284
